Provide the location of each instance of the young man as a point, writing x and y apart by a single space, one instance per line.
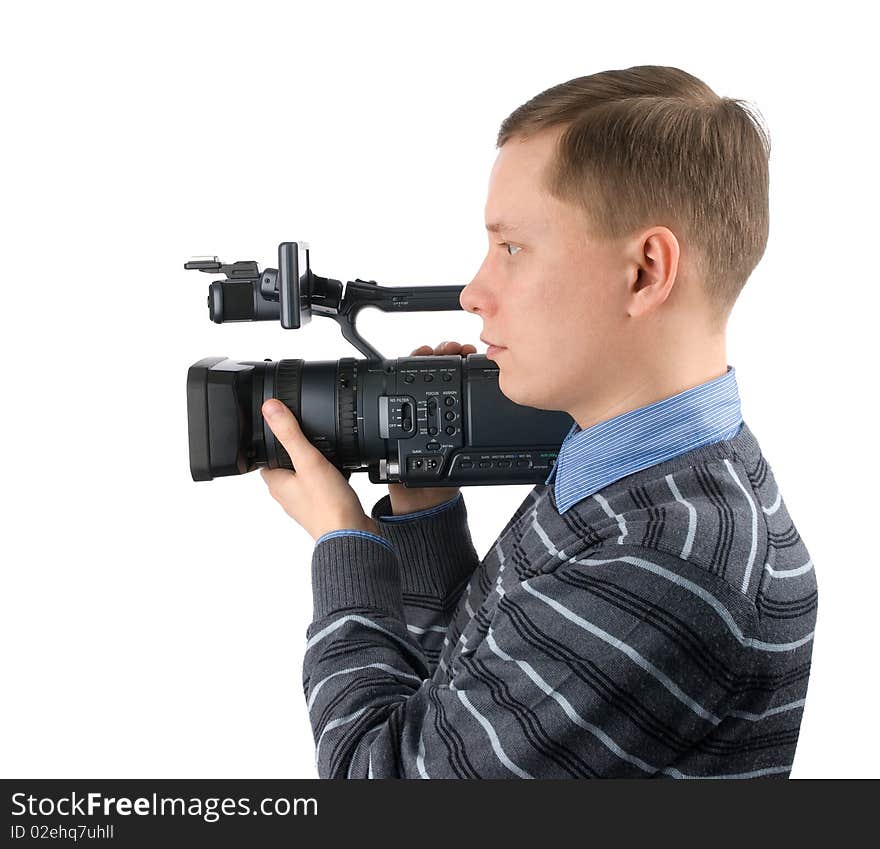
648 611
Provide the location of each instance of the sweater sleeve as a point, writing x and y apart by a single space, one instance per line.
436 557
579 673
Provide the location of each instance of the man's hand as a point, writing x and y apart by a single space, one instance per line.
316 495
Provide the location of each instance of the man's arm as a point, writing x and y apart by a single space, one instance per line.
579 674
437 558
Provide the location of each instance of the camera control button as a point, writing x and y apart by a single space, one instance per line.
450 430
447 377
433 446
409 378
449 401
449 415
428 378
432 431
503 464
485 464
466 464
522 464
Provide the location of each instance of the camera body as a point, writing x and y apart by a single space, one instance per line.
420 421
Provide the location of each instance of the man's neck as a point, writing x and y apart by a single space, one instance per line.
648 387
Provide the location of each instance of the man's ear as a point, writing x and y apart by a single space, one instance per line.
655 256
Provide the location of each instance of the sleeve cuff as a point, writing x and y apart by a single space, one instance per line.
349 570
434 546
419 514
365 534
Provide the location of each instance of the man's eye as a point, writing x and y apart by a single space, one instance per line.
508 245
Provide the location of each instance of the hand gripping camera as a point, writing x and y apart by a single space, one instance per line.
420 421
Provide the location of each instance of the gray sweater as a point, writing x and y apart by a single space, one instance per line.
661 627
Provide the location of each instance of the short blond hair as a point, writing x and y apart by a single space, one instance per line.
655 145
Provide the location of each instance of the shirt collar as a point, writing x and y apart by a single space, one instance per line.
591 459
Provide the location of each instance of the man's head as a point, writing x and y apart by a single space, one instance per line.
625 210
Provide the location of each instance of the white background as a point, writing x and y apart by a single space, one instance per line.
154 627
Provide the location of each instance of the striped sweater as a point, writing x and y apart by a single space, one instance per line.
661 627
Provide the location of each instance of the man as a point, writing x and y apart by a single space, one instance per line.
649 610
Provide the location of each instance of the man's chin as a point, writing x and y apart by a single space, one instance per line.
507 388
520 394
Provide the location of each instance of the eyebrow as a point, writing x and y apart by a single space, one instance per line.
501 227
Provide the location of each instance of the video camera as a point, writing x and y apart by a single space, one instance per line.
420 421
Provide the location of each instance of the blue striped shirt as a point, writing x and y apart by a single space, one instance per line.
591 459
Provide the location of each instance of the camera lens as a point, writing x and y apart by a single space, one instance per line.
323 397
284 383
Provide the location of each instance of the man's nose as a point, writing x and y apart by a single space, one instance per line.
471 299
465 299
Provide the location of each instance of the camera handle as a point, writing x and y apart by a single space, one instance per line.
288 295
367 293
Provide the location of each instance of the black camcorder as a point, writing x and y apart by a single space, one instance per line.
420 421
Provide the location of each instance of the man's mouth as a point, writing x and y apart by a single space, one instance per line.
494 350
